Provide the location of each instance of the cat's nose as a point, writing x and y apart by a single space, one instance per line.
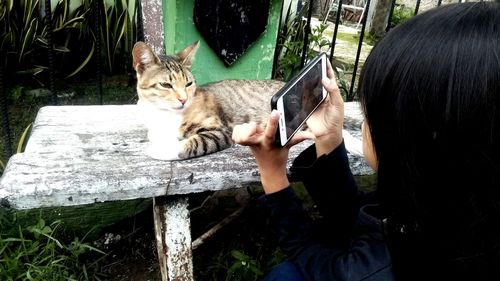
183 101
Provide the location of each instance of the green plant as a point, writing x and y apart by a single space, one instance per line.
118 31
23 140
344 83
289 45
317 41
244 268
400 14
24 36
291 42
35 253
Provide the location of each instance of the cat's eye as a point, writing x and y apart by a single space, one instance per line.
189 84
166 85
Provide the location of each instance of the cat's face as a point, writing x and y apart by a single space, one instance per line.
165 83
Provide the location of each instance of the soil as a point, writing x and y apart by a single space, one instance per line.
131 248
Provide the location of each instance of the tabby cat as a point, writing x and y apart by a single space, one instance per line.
185 121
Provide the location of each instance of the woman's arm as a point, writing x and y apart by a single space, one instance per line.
331 185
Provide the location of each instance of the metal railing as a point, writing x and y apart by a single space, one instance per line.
96 10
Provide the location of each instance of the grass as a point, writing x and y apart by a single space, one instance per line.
36 253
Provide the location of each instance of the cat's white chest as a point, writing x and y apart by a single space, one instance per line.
163 132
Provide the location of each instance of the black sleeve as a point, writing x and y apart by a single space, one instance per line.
364 258
331 185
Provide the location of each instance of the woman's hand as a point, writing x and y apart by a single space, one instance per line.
270 158
327 121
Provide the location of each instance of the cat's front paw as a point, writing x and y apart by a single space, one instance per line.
161 153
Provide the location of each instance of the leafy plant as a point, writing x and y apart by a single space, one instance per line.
344 83
245 268
118 31
24 37
23 140
400 14
317 41
291 42
35 253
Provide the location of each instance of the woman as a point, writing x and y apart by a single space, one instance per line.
429 91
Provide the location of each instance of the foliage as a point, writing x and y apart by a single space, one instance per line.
35 253
291 42
23 140
244 268
24 36
344 83
118 32
317 41
400 14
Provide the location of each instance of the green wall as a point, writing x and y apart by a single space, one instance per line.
255 63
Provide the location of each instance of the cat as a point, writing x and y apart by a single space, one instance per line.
185 121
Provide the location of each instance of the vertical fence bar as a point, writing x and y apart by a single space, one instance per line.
417 6
306 33
50 50
97 28
358 53
391 12
140 25
336 29
7 136
440 2
278 35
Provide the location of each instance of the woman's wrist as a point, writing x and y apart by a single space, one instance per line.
327 144
274 181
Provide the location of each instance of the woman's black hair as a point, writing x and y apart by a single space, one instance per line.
430 91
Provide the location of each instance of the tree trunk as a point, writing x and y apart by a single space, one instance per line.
380 18
322 7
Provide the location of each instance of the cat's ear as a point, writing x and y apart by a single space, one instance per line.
186 56
143 57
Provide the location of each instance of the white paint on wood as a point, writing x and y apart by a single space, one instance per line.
173 238
152 18
84 154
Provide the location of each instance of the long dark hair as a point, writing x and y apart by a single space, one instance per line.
430 91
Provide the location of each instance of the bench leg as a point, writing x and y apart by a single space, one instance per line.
173 238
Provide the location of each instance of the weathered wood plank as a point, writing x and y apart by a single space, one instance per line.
152 20
173 238
85 154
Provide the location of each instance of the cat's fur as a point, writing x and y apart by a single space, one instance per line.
186 121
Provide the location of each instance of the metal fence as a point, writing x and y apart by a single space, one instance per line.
96 11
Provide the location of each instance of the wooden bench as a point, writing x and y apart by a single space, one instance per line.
81 155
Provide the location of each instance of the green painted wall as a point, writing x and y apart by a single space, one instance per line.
255 63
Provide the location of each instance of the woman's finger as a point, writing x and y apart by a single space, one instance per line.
246 134
300 137
272 126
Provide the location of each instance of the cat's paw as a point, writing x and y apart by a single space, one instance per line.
162 153
183 152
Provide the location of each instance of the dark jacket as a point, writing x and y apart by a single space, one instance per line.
348 242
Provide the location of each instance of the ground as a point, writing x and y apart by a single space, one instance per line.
131 250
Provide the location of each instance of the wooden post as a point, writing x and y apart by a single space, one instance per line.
173 238
152 20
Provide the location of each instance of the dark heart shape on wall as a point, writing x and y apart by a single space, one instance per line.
230 27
